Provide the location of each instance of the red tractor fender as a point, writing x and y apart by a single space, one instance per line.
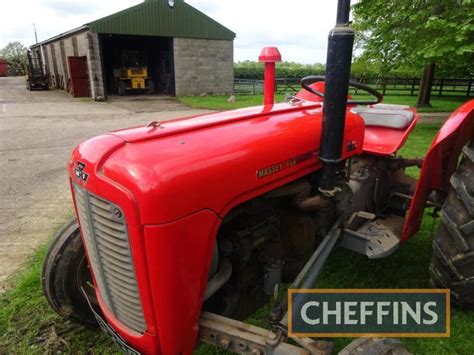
440 163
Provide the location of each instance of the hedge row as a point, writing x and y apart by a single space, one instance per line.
254 70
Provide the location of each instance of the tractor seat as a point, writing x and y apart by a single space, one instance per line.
389 117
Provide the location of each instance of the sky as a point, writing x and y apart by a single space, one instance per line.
299 28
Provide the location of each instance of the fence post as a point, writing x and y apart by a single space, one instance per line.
384 86
469 85
441 87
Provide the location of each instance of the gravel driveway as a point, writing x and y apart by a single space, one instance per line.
38 131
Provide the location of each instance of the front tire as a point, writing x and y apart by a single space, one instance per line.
65 272
452 264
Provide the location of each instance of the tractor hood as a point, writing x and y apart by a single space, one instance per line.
187 124
211 162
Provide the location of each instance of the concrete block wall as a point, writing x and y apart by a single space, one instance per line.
203 66
56 59
94 65
48 58
87 45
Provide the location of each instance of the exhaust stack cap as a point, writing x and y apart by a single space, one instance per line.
269 55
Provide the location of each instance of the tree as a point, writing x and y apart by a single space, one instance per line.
14 53
423 34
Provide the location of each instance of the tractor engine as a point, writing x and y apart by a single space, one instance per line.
268 240
375 183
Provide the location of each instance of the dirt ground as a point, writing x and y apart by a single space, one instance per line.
38 131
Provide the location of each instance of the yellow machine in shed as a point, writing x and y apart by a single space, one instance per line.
133 75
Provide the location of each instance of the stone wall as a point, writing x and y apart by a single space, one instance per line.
203 66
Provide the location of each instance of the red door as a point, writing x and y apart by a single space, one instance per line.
79 83
3 67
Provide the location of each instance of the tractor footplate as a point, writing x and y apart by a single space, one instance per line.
372 236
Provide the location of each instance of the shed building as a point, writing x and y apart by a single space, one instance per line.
185 51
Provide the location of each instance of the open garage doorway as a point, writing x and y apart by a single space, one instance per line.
137 65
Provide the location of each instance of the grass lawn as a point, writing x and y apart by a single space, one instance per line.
29 326
440 104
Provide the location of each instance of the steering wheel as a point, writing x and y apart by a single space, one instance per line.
308 80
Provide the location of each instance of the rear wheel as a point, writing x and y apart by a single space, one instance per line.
452 264
65 272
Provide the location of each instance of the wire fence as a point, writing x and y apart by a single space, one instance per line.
387 86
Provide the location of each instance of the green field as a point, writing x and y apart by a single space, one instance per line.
29 326
439 104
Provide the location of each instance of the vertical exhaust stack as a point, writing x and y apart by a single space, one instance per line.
269 56
338 68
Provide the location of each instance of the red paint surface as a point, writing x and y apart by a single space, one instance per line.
269 84
269 56
308 96
386 141
174 185
377 140
440 163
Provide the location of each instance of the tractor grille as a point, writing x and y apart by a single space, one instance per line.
105 235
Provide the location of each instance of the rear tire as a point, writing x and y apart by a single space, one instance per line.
65 271
452 264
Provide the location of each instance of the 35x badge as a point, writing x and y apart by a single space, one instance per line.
79 171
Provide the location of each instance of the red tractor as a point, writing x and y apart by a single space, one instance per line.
186 227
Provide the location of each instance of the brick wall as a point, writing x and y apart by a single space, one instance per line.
203 66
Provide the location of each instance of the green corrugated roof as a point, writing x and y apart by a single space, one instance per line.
158 18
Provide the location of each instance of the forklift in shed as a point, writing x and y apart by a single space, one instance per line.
133 74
